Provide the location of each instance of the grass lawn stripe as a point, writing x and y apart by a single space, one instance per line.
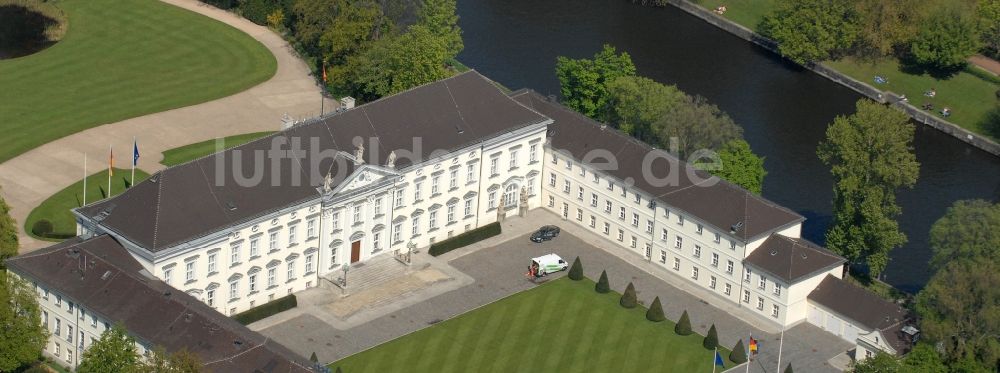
477 351
570 324
586 345
516 336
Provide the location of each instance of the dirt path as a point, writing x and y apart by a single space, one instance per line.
986 63
30 178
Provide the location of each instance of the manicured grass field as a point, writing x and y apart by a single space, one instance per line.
56 208
969 97
121 59
190 152
561 326
748 13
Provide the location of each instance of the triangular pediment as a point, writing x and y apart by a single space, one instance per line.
365 176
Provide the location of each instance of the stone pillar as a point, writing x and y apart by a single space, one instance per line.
522 205
501 212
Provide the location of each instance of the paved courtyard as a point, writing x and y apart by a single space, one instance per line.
496 267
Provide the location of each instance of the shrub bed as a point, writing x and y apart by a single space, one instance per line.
465 239
267 309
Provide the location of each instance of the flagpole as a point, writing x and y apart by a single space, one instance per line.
714 354
749 357
780 342
131 181
84 179
111 166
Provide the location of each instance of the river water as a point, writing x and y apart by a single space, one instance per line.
783 109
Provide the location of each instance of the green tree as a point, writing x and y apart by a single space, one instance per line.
711 340
8 234
693 125
22 336
583 82
576 271
923 359
395 64
739 353
969 229
946 39
628 299
355 29
741 166
635 103
989 16
885 25
959 308
183 361
812 30
602 284
655 311
788 368
312 19
870 154
313 357
439 16
683 326
113 352
880 363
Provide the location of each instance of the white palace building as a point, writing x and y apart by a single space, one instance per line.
237 229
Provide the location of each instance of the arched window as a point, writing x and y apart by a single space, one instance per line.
511 195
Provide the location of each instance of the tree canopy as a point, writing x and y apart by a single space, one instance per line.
812 30
114 352
439 16
741 166
635 103
399 63
183 361
695 124
884 25
969 229
583 82
22 336
870 154
960 308
946 39
8 233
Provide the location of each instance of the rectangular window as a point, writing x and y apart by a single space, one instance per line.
291 234
746 296
649 226
210 297
335 218
711 282
635 219
565 210
621 213
69 334
694 273
311 227
399 198
57 326
494 166
513 159
697 251
678 242
272 241
234 254
728 289
593 199
632 242
715 259
533 153
597 179
729 267
397 232
252 282
566 186
746 275
718 237
700 229
680 219
593 221
611 185
777 289
760 303
579 193
254 248
357 214
663 234
607 228
167 274
417 187
453 179
621 235
291 270
638 199
552 179
468 207
491 200
569 164
58 300
555 160
432 220
451 213
677 264
435 185
732 245
663 256
470 172
415 230
189 271
531 186
378 206
583 172
271 278
211 262
762 284
774 310
309 258
552 201
607 206
234 290
579 214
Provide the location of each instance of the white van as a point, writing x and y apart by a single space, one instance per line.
546 264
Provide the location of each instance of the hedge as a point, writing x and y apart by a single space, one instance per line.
465 239
267 309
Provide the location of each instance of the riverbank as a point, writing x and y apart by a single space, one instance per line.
967 135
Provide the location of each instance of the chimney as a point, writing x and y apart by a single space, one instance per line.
347 102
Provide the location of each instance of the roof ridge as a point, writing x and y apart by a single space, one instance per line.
156 215
458 110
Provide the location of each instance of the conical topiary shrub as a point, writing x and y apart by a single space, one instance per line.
628 297
313 358
338 370
788 368
739 353
602 284
576 271
655 311
711 340
683 326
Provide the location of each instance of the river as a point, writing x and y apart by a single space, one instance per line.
783 109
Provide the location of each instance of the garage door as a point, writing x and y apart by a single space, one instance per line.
833 325
850 332
816 316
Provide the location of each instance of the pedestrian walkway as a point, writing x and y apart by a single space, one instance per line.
988 64
28 179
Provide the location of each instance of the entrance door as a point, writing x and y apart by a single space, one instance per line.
355 251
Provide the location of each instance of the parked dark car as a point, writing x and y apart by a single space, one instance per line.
545 233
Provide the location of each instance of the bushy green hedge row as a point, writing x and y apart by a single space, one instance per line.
267 309
465 239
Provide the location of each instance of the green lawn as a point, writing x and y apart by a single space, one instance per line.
190 152
121 59
748 13
56 208
561 326
969 97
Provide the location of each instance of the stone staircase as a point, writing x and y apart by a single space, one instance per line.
371 273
